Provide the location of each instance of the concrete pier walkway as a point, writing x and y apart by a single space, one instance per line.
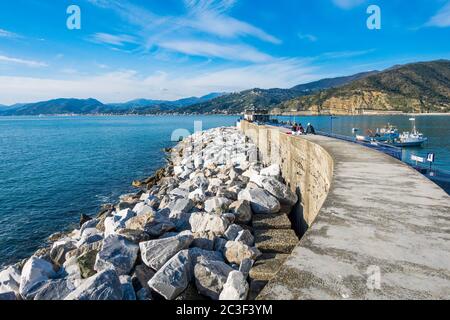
383 232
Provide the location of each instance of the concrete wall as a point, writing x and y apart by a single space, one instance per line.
382 231
306 167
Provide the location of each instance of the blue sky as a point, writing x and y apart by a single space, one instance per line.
169 49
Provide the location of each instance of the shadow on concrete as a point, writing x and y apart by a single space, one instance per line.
297 217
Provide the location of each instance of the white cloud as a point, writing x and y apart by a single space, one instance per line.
442 18
128 84
8 34
343 54
308 37
210 17
28 63
347 4
207 19
116 40
212 50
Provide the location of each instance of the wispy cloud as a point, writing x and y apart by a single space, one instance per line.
8 34
348 4
206 20
115 40
308 37
344 54
442 18
210 17
212 50
29 63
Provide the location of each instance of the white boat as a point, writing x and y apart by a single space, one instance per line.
410 139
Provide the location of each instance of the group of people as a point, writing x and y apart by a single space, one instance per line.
297 129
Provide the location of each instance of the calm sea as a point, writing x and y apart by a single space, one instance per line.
52 169
436 128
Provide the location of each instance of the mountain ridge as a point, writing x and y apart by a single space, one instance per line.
267 98
422 87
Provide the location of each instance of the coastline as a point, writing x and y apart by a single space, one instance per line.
305 114
195 208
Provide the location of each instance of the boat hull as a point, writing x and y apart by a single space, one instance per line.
409 144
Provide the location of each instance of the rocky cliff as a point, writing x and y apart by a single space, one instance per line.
417 88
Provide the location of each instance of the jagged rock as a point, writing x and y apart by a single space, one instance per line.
126 205
142 208
236 252
179 193
246 237
135 236
206 222
154 224
196 254
102 286
190 294
225 193
181 205
232 232
261 201
117 252
55 290
83 219
60 249
180 213
246 266
83 249
229 217
34 273
89 236
217 205
142 275
200 182
89 224
8 296
242 210
197 196
144 295
10 280
210 276
236 287
117 221
127 288
219 244
203 240
280 191
86 263
174 277
71 270
272 171
156 253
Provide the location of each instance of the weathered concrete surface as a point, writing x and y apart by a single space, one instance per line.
306 167
379 214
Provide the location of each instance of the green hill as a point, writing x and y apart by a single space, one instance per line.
417 88
268 98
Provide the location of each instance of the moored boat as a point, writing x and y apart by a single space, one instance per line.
410 139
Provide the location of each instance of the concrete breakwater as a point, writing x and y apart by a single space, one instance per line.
212 224
376 228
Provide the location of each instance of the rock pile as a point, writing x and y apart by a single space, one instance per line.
187 234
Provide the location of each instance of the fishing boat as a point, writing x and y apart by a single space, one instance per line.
388 133
409 139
